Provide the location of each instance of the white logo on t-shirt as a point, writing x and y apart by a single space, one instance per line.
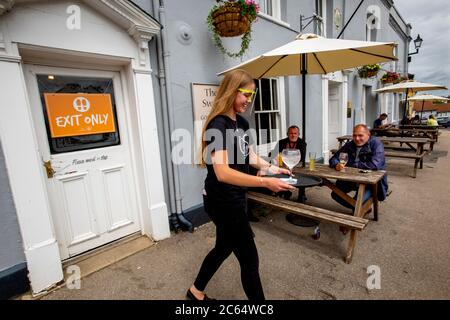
243 145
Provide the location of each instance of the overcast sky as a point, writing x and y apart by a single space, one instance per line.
430 19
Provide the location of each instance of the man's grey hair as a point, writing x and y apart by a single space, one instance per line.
362 125
293 127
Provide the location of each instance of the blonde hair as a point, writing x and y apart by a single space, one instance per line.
224 101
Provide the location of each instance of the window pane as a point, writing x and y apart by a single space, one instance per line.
263 6
64 84
267 115
274 95
265 94
275 126
258 96
257 129
269 9
265 128
274 118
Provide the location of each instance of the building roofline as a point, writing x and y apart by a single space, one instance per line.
400 16
145 12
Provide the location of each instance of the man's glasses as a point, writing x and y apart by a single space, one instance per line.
248 93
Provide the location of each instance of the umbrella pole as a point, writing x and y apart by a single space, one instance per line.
303 72
406 104
423 102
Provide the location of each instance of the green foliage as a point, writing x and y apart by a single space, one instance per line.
369 71
392 77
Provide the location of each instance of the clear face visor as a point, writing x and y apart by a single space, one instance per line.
250 94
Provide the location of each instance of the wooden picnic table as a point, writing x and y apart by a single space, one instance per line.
420 130
364 180
409 141
355 222
416 131
418 126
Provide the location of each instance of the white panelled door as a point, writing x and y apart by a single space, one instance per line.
334 115
81 127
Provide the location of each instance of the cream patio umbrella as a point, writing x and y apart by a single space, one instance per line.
427 97
408 86
312 54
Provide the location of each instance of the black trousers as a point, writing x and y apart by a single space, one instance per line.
233 235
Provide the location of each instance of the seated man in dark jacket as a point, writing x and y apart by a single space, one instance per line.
364 152
293 141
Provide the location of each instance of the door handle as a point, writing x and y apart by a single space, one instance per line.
49 169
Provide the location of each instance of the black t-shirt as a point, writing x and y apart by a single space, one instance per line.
223 133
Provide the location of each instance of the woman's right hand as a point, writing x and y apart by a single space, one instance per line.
277 185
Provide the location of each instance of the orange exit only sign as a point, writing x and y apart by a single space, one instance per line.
79 114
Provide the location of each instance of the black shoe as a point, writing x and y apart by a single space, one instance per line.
191 296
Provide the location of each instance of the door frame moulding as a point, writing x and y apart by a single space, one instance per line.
340 78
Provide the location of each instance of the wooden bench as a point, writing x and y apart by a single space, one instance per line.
418 158
341 219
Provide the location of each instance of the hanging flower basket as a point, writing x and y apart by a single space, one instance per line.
369 71
367 74
230 19
390 77
229 22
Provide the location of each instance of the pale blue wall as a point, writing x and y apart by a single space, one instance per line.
11 248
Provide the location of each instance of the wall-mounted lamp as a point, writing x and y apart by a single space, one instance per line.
417 43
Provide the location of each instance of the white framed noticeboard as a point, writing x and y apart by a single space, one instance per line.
203 96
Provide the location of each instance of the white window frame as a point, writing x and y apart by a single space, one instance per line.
323 14
264 148
276 8
275 16
324 18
